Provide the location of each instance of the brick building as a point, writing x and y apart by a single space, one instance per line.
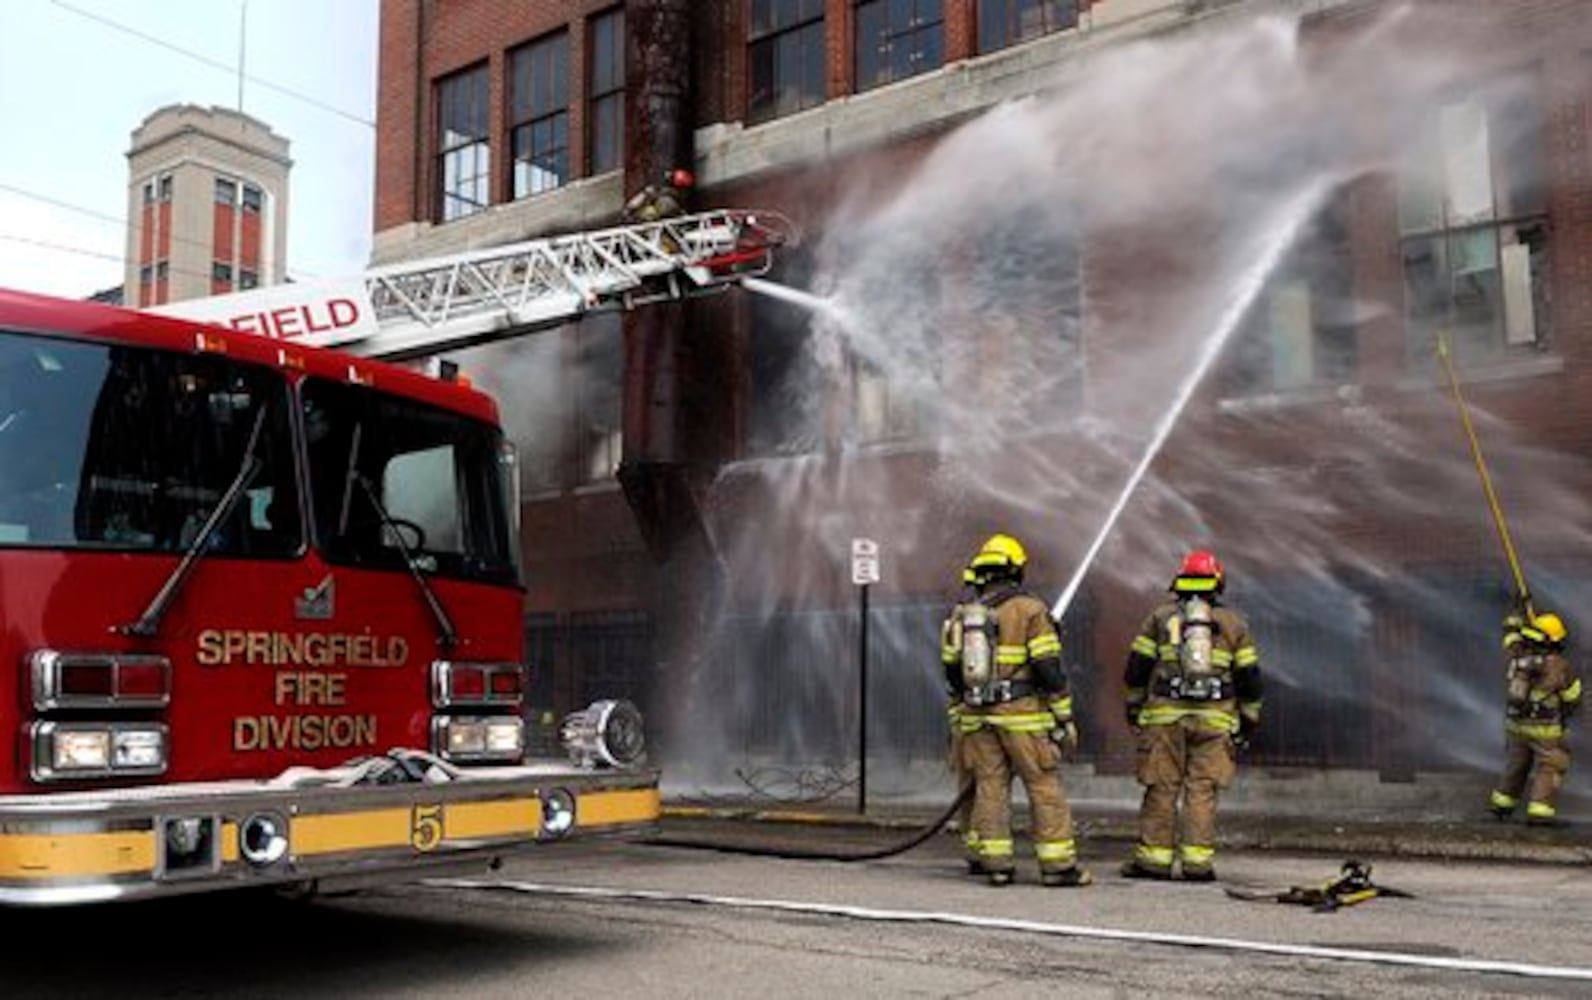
207 188
690 499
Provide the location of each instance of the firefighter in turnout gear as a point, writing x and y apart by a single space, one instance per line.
1002 659
1543 693
661 200
1192 690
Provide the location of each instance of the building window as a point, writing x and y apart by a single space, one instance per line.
464 155
786 50
897 39
607 90
1301 330
165 188
149 193
162 270
248 279
600 366
145 274
251 198
1473 224
226 192
1007 22
221 272
539 96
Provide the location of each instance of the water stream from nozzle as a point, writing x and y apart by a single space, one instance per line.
827 308
1271 251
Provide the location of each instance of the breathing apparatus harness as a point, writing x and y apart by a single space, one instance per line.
973 629
1194 675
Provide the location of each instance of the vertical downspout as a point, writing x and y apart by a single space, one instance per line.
664 455
658 137
417 207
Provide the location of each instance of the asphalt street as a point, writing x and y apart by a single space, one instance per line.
649 921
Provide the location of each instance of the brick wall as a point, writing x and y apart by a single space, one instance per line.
459 34
464 33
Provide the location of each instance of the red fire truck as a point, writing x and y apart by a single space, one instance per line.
262 599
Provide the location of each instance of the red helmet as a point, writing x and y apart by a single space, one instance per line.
681 178
1201 571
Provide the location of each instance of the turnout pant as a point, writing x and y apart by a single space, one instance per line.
994 754
1541 761
1192 761
962 771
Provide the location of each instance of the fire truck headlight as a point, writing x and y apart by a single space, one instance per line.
66 750
139 748
479 738
81 750
505 736
558 812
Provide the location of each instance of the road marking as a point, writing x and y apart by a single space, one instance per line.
1031 927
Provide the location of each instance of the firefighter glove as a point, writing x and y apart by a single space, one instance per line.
1246 731
1065 736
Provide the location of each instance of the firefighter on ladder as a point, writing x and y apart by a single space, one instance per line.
1192 687
1543 693
1002 659
660 200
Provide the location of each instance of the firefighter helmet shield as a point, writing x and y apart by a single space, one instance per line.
1201 572
1000 555
1546 628
681 178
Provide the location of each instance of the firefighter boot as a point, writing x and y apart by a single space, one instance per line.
1066 878
1134 868
999 877
1501 806
1199 873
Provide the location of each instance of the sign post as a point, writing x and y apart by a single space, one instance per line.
864 572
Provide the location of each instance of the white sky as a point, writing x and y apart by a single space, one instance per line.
72 89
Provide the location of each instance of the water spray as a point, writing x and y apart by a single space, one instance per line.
825 307
1250 284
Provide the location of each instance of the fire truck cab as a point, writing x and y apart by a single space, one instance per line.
262 605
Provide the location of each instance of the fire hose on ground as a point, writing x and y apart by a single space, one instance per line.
800 854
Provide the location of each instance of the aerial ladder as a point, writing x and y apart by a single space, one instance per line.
423 308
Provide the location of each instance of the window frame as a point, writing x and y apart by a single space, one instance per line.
604 99
1012 31
887 38
477 146
1506 221
525 119
809 14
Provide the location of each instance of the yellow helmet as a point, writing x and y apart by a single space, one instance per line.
1000 552
1547 628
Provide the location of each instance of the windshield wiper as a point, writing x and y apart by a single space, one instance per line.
148 623
447 637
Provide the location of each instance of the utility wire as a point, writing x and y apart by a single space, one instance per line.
85 252
107 217
215 63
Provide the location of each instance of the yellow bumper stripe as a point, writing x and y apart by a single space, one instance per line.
641 805
52 856
492 820
328 833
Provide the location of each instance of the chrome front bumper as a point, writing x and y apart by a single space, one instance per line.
93 846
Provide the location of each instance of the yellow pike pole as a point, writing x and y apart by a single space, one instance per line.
1521 589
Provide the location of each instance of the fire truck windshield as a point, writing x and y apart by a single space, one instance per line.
440 479
113 447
